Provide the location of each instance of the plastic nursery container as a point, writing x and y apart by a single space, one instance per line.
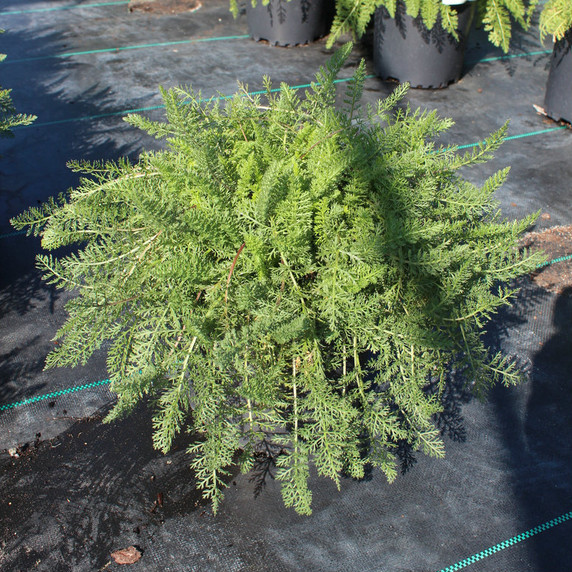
289 23
404 49
558 98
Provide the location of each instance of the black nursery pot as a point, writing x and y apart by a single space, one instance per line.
404 49
558 98
289 23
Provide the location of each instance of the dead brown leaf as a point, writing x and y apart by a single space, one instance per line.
126 555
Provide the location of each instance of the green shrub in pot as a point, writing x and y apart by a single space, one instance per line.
287 271
497 16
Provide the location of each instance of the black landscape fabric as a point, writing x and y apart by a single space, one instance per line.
73 491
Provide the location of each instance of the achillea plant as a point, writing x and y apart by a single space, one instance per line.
497 16
290 272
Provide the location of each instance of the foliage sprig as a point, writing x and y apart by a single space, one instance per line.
8 116
555 18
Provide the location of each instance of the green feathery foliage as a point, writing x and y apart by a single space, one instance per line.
8 116
497 16
287 271
556 18
234 9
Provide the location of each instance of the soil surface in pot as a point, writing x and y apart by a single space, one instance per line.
555 242
164 6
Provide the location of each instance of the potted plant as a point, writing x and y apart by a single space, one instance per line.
287 22
423 41
287 272
425 55
556 20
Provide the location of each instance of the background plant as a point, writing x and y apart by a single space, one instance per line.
496 16
286 272
8 116
556 18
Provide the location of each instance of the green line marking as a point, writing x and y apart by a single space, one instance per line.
554 260
509 57
541 132
90 117
11 234
223 97
54 394
513 137
124 48
155 107
198 40
58 8
507 543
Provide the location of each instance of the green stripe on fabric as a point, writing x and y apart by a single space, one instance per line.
507 543
124 48
532 133
509 57
155 107
555 260
54 394
58 8
236 37
12 234
513 137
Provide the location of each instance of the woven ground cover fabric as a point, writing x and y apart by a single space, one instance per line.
81 490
